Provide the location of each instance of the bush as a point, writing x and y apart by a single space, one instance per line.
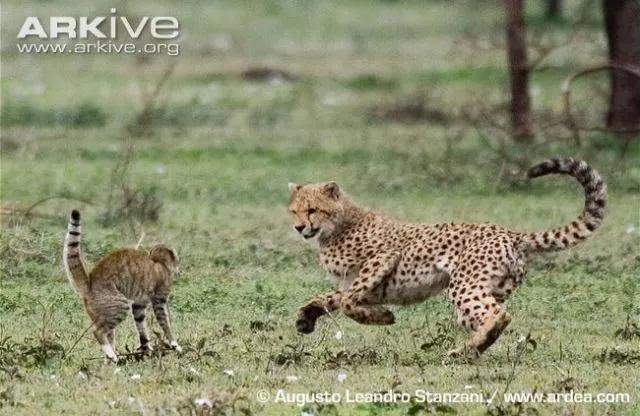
26 114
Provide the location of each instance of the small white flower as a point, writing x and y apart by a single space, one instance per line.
53 376
631 229
292 379
222 41
203 401
82 375
535 91
331 100
193 370
161 169
342 377
117 370
338 335
229 372
136 376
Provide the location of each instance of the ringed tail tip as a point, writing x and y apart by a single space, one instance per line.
595 192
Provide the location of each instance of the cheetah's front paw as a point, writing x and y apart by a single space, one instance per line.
305 325
307 318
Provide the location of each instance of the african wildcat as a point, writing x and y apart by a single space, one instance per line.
122 278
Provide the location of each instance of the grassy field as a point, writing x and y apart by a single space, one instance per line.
206 171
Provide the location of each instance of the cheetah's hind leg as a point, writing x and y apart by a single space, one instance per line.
489 331
485 336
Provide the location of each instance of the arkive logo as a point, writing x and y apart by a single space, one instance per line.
99 27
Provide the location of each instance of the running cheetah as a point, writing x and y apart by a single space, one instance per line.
379 260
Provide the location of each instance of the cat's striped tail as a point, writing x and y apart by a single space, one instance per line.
595 192
72 256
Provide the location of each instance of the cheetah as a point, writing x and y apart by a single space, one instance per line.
380 261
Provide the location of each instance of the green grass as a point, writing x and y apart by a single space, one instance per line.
218 154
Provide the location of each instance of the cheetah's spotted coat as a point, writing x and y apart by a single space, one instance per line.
383 261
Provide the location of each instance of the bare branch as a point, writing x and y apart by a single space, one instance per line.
566 95
27 211
149 100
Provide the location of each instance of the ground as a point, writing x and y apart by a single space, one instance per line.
207 173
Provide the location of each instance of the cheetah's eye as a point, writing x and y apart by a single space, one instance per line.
311 211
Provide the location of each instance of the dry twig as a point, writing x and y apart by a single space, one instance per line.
27 211
566 96
150 99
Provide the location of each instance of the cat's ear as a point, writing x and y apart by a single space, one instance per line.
332 190
294 187
161 253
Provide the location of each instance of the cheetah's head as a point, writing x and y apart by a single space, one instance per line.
316 208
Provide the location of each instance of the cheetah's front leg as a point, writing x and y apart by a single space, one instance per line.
315 308
362 301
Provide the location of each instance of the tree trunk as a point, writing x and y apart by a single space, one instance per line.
554 9
518 71
622 24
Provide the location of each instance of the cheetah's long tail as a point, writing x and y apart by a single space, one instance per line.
72 256
595 192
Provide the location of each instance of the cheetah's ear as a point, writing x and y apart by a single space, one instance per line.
331 189
293 187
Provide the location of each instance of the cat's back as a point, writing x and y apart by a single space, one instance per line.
123 263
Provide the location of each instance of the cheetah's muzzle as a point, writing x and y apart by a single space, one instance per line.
312 233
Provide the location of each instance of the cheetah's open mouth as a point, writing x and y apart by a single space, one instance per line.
312 233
